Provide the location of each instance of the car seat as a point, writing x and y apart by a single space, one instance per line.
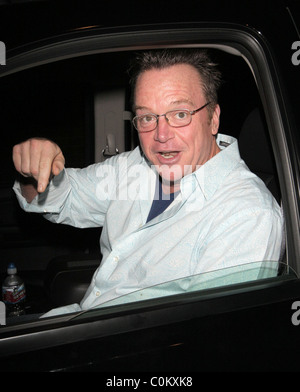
256 150
67 278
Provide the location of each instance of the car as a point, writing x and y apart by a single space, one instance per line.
63 76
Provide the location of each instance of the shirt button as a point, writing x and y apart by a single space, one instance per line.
98 293
116 258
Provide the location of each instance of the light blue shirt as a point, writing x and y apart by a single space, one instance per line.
223 216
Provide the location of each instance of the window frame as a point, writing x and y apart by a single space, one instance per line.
253 47
164 311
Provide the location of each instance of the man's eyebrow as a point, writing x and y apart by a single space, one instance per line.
182 101
135 108
173 103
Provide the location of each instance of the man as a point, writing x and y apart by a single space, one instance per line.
183 204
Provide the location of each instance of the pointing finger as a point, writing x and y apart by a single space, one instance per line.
51 162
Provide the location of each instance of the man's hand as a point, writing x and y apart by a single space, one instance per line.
39 159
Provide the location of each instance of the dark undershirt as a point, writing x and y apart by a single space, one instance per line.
161 201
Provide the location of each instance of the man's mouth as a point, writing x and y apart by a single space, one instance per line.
168 154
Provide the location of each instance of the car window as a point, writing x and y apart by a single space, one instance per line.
62 100
200 283
237 278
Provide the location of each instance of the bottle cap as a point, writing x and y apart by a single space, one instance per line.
11 269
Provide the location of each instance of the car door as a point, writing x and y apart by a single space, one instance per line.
233 326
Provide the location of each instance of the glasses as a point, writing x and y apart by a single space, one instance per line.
175 118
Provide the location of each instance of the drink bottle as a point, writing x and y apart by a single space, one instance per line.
13 292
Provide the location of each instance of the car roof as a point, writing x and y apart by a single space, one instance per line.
23 22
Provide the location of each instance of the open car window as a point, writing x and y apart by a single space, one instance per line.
69 98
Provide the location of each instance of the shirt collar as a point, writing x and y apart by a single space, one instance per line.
211 175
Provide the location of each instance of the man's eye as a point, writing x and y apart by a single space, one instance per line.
146 119
181 115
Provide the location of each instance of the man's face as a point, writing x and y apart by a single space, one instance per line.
176 151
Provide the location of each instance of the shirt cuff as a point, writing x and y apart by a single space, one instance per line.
50 201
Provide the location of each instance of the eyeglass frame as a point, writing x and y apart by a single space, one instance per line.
192 112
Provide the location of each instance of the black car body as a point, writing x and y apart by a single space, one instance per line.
63 61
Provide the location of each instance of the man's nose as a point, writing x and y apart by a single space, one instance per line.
163 131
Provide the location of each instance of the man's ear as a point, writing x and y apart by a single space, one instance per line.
215 121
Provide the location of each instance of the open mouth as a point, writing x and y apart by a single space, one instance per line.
168 154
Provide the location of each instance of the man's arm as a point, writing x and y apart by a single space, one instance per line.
37 160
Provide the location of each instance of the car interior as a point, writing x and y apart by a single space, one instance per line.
83 104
